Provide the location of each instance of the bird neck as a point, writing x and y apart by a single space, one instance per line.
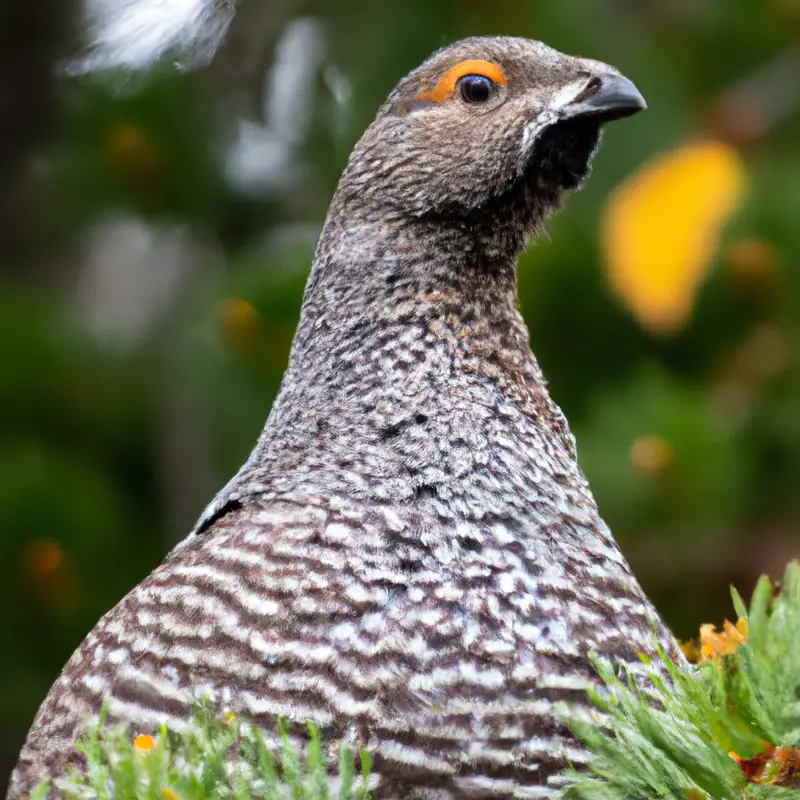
410 376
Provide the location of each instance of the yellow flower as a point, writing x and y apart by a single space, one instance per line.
713 644
661 230
241 325
44 558
753 263
651 454
144 743
133 154
691 650
127 140
169 794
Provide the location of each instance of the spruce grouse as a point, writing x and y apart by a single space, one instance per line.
411 556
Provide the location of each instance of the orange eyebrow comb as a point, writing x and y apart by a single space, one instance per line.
446 85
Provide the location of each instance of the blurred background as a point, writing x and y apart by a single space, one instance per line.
165 169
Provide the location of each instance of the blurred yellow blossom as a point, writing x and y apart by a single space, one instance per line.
651 454
43 558
132 153
126 140
752 262
48 572
144 743
241 325
169 794
661 230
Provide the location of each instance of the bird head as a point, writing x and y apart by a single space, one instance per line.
489 132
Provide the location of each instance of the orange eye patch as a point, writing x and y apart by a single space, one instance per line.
446 85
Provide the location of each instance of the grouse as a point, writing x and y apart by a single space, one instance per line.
411 556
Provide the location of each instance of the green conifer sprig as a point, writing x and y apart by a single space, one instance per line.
214 759
726 729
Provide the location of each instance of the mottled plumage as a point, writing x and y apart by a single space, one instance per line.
411 555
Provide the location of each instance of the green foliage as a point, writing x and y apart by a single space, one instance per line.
673 733
703 479
134 147
213 759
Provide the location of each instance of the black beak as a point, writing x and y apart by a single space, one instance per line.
607 97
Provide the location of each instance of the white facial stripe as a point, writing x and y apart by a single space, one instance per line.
532 129
566 94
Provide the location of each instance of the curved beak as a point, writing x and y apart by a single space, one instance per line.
607 97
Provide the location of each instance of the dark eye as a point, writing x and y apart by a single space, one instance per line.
475 88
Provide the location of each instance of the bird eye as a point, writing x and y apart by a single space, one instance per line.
475 89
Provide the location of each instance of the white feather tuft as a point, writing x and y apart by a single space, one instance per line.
134 34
